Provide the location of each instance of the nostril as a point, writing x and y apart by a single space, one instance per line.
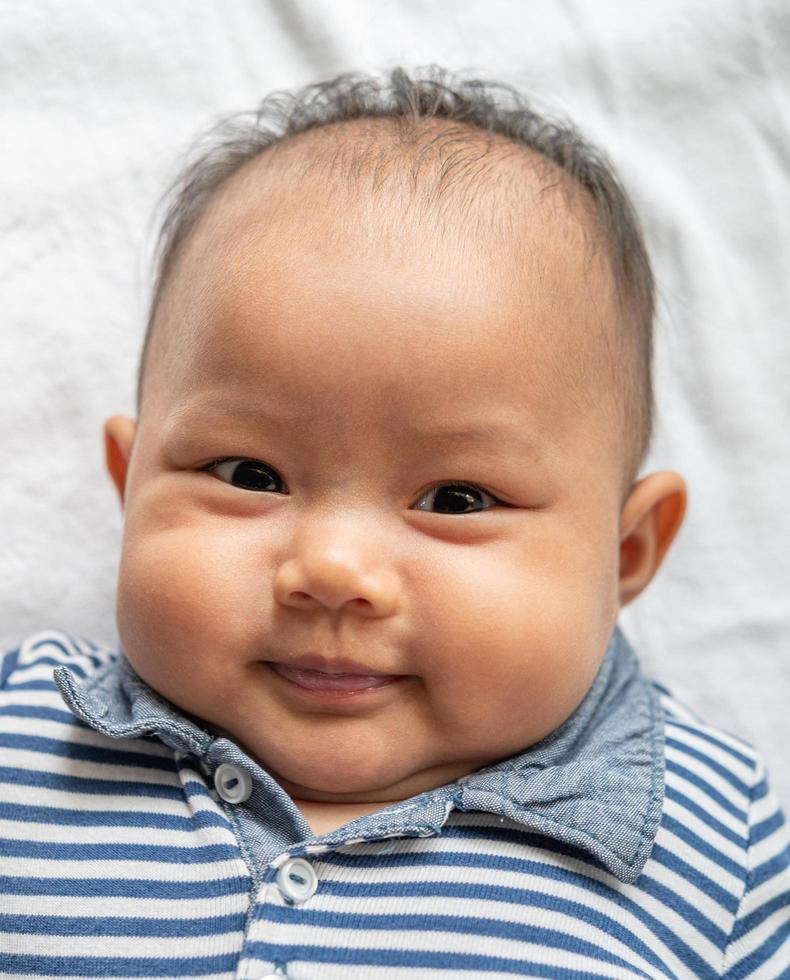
356 601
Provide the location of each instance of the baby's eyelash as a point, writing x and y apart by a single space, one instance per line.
463 484
459 484
217 461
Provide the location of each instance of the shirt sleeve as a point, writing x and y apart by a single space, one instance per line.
759 945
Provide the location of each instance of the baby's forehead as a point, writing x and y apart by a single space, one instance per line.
510 229
412 212
385 267
443 181
524 238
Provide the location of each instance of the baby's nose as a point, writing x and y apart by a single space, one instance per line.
336 579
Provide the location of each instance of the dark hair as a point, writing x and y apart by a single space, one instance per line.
471 103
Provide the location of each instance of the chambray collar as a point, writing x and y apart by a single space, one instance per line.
595 783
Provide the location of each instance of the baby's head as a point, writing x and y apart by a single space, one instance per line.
393 399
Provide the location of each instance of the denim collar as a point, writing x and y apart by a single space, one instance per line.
596 783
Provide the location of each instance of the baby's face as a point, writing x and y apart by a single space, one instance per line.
374 453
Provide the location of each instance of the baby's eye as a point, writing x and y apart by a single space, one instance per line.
456 498
252 474
247 474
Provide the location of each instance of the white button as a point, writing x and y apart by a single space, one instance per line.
233 784
296 880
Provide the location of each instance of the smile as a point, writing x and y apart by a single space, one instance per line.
332 684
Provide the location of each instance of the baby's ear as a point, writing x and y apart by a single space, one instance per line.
650 520
119 433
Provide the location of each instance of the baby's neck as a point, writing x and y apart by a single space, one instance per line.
325 817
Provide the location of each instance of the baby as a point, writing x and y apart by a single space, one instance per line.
372 716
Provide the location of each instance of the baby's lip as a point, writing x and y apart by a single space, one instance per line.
331 677
329 665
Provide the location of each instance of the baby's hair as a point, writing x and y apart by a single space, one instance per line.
473 106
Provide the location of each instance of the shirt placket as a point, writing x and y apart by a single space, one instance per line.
284 858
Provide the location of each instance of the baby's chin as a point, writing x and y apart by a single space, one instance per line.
360 788
349 778
353 777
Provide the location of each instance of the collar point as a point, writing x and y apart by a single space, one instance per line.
78 701
626 872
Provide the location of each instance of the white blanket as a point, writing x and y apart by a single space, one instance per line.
691 101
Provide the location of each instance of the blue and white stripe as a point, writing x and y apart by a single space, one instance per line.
118 859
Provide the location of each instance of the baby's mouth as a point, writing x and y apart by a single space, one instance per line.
320 681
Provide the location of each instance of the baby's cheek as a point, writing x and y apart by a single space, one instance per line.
511 648
179 603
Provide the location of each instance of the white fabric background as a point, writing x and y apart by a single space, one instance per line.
690 99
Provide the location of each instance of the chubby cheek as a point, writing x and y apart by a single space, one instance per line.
184 610
514 640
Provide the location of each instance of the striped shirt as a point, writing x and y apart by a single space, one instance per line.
636 841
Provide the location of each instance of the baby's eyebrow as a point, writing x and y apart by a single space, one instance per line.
201 413
481 433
